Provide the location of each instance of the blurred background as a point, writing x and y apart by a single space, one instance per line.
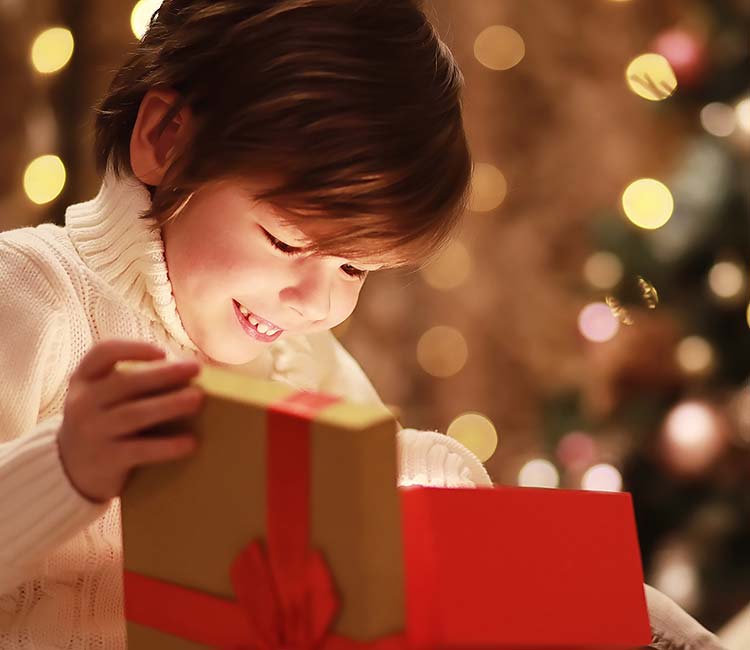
589 326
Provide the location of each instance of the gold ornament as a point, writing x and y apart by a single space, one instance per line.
648 292
618 311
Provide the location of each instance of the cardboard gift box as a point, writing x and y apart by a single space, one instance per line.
286 530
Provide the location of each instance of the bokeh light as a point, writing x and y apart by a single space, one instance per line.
675 576
651 77
442 351
648 203
450 269
695 355
52 50
693 437
539 473
742 113
597 323
44 179
602 478
140 18
499 47
475 432
727 280
488 188
603 270
576 450
718 119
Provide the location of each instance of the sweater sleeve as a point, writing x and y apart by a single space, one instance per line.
425 457
39 507
672 628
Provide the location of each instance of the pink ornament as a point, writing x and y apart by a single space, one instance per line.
576 450
686 53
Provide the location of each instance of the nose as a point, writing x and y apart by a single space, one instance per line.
309 295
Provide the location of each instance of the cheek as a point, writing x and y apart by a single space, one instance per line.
344 302
209 266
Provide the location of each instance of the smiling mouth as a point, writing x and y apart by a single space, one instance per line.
260 325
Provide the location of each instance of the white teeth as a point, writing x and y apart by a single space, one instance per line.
262 328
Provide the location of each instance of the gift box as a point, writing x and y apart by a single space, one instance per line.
522 568
288 511
287 530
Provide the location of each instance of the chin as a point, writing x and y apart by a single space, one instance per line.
230 357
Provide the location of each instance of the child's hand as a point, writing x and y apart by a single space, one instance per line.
104 408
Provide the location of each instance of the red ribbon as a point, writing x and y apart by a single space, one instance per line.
286 598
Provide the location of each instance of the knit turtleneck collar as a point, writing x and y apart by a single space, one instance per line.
127 252
121 249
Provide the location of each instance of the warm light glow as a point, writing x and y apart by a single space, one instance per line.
140 18
648 203
690 425
742 112
602 478
597 323
693 436
499 47
450 269
727 280
650 76
539 473
44 179
718 119
694 355
488 188
675 576
442 351
603 270
475 432
52 50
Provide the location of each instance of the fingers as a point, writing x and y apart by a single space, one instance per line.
138 451
121 387
132 417
99 361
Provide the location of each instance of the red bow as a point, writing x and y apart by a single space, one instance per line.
298 617
260 619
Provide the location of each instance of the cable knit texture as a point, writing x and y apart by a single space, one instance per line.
62 290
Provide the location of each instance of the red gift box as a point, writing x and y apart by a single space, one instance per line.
529 568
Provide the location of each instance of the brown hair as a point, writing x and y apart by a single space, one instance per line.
355 105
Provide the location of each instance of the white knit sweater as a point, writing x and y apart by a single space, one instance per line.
62 290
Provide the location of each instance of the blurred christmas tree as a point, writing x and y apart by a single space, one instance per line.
666 396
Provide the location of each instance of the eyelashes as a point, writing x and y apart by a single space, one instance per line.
350 270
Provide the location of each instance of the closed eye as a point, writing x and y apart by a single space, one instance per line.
279 245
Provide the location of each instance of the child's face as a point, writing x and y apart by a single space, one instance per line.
218 255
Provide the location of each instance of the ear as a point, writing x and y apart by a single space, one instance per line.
150 152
